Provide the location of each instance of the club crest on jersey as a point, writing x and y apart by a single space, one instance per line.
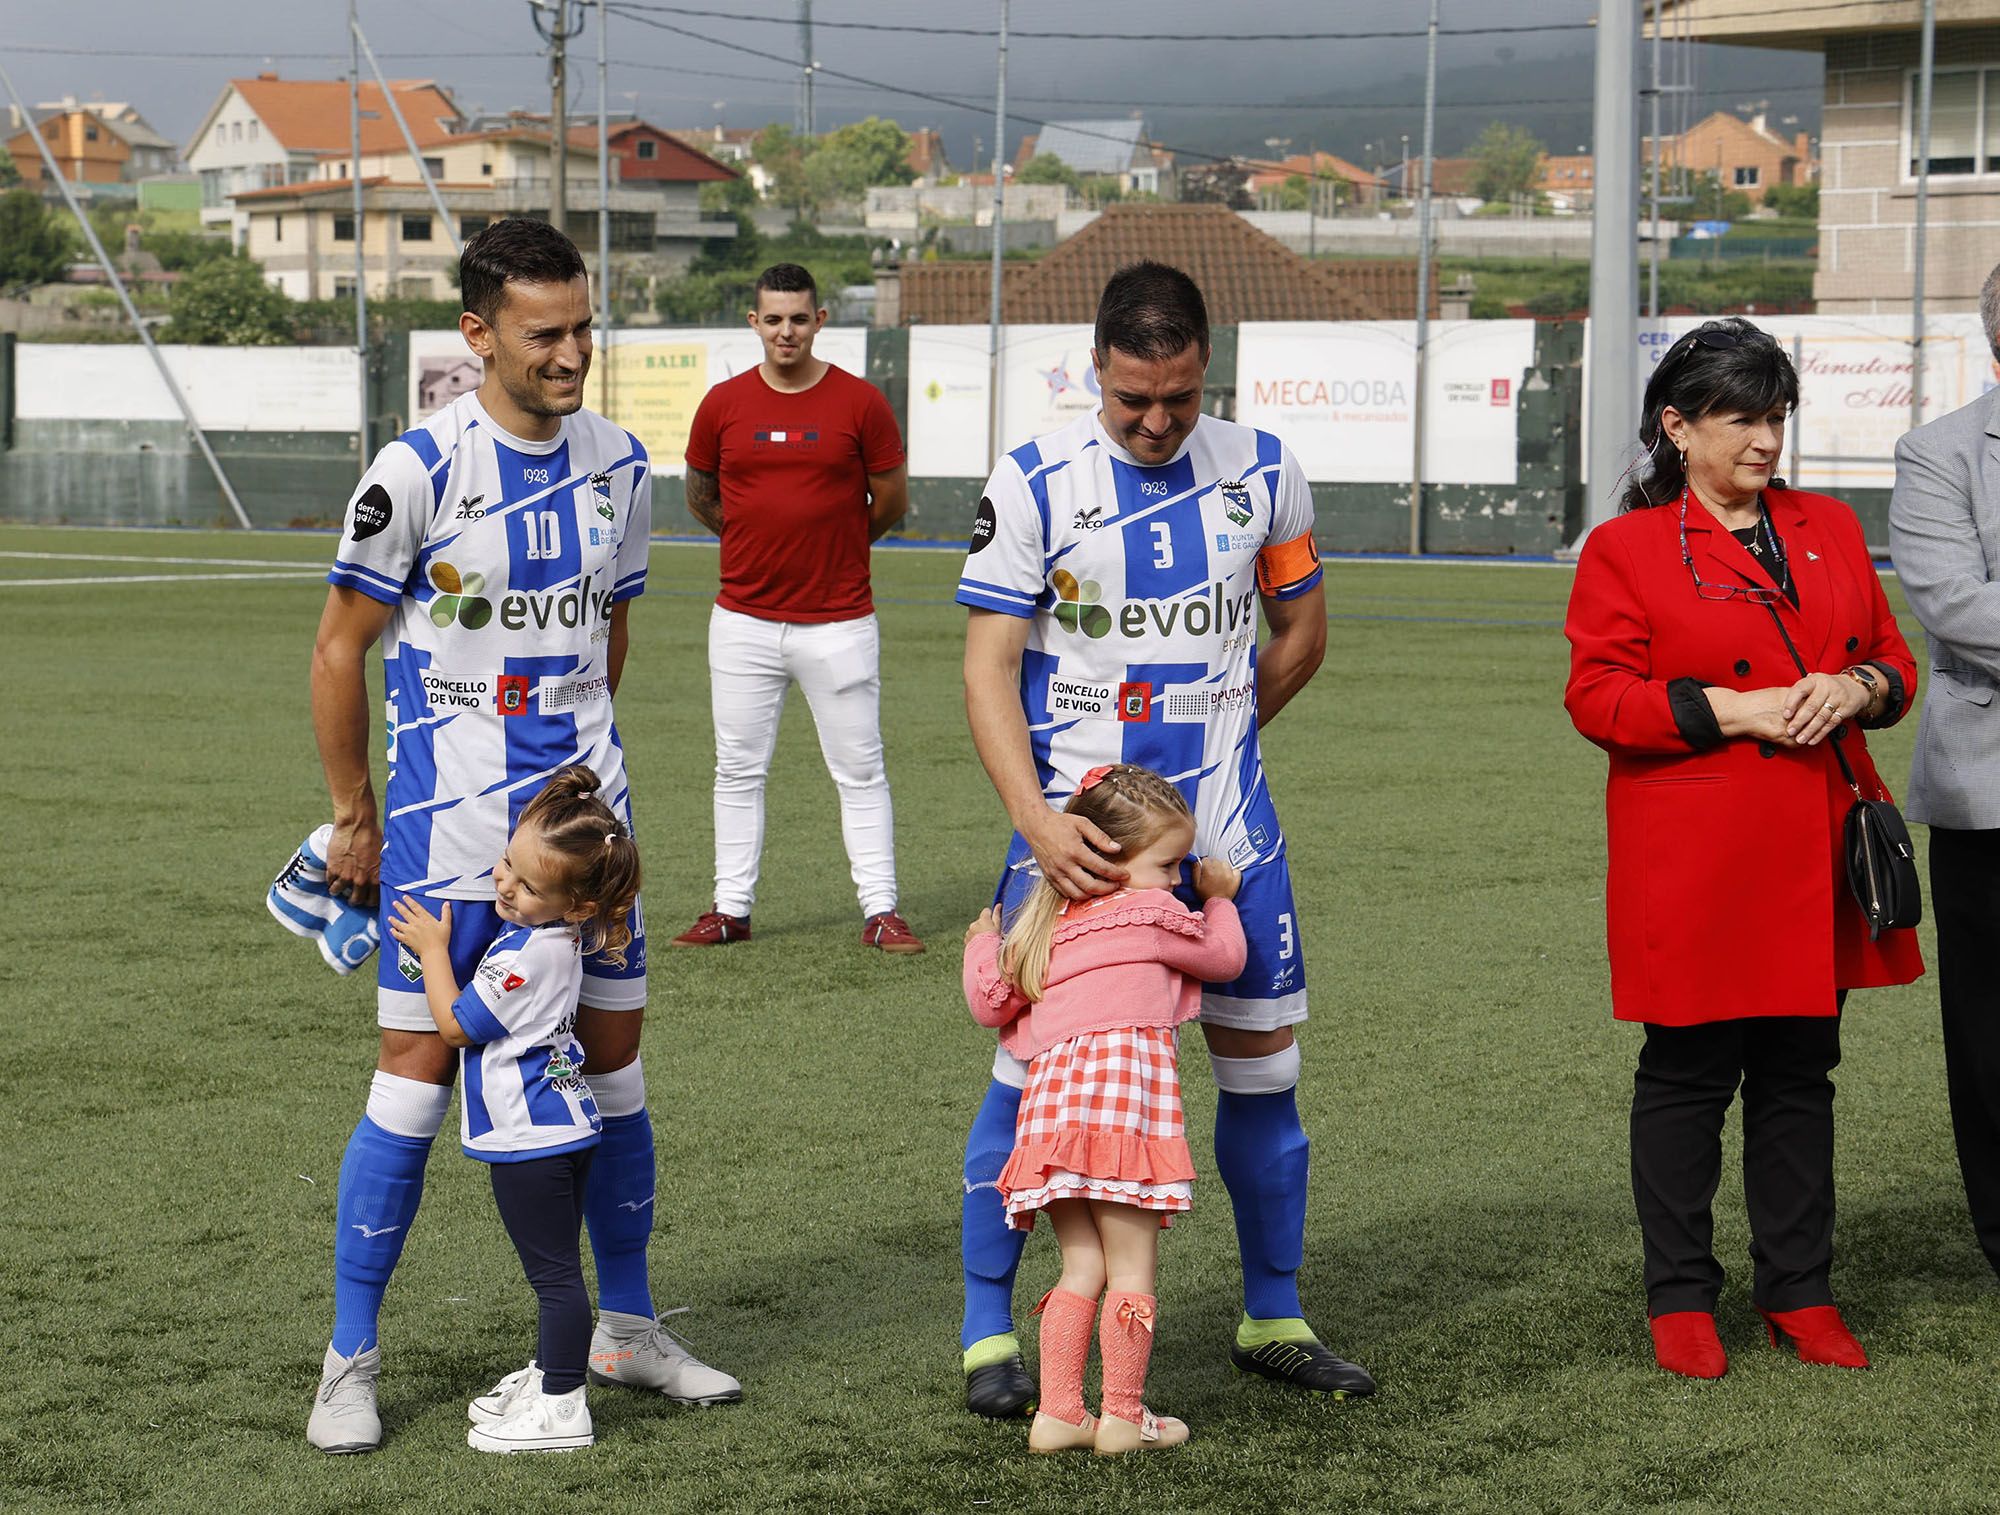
1235 500
407 965
510 693
1135 702
600 494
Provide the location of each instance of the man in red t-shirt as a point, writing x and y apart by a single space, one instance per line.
798 466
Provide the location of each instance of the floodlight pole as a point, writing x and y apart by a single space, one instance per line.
360 224
409 139
1423 290
999 235
1613 401
603 215
1925 67
54 171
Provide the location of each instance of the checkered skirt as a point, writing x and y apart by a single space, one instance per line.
1101 1119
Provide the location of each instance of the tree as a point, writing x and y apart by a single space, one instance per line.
10 175
1295 193
1800 200
1711 202
1047 168
1505 161
781 153
227 303
34 244
851 159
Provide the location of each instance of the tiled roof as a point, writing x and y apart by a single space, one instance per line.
1244 275
1329 166
674 159
311 115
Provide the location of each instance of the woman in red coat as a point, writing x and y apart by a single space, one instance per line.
1733 937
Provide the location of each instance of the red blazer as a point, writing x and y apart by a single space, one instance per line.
1727 895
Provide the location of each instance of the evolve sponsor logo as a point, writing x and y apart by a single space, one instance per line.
568 608
1212 611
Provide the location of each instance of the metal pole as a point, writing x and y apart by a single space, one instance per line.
1613 401
131 311
1423 289
999 234
360 223
603 218
409 139
1924 71
559 118
1653 190
806 62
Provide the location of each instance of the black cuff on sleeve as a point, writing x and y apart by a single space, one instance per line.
1892 700
1693 714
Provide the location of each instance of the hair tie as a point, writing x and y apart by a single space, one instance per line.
610 837
1095 777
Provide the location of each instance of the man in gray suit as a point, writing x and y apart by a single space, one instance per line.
1944 532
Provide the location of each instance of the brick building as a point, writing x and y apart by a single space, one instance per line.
1743 155
1867 235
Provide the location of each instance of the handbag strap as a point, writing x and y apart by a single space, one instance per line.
1846 768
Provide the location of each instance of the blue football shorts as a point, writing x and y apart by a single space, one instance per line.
400 1004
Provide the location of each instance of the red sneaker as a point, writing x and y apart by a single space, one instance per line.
1684 1342
889 931
714 929
1818 1334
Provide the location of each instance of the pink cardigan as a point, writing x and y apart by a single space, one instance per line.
1136 958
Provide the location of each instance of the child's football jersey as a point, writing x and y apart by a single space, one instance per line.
524 1094
1141 584
502 558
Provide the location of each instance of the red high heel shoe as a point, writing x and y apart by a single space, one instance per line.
1818 1334
1685 1342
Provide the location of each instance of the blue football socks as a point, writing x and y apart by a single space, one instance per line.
381 1185
618 1209
1262 1153
991 1253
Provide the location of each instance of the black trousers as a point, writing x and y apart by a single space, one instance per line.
1965 902
1686 1079
541 1204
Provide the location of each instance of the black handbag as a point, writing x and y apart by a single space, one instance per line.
1881 863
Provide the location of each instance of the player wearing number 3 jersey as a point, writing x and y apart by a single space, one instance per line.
1116 573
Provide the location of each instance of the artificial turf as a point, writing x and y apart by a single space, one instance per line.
182 1078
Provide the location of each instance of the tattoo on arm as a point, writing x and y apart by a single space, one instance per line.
704 498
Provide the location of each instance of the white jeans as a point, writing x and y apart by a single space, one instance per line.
837 664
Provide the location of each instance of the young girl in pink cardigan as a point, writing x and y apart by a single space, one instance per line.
1089 993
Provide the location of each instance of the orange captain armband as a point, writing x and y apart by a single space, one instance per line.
1286 566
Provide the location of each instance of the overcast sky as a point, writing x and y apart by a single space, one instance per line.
1350 95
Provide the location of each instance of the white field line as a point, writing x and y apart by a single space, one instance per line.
156 578
116 557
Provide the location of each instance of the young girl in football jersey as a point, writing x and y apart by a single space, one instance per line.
1089 993
565 887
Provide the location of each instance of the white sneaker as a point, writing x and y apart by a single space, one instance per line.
540 1423
633 1352
505 1397
343 1413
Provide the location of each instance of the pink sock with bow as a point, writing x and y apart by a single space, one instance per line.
1065 1348
1125 1337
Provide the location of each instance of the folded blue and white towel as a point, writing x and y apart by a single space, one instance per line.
301 902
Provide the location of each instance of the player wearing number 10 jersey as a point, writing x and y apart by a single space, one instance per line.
1115 576
493 553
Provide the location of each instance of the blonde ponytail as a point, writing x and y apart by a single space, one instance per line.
1024 952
